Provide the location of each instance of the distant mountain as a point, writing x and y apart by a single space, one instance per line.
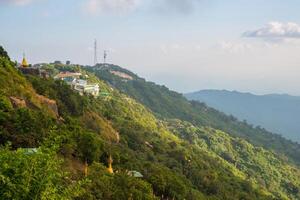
277 113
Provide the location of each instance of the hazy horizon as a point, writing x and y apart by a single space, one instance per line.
187 45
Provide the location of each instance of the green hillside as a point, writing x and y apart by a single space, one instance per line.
169 104
178 160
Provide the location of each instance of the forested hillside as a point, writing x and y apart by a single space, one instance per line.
277 113
75 136
169 104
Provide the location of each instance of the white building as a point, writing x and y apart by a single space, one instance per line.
78 84
84 88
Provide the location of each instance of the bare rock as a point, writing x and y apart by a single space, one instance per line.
18 102
51 104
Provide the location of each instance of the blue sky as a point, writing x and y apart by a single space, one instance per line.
246 45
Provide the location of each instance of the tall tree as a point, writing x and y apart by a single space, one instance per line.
3 53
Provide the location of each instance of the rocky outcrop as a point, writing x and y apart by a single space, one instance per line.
121 75
49 103
18 102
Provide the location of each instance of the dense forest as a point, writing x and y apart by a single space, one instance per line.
170 104
57 144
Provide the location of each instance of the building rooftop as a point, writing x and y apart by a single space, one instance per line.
62 75
135 174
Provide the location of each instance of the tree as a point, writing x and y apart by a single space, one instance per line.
3 53
88 147
120 186
28 175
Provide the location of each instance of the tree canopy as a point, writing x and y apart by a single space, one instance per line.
3 53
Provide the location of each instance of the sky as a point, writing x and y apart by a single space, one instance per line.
187 45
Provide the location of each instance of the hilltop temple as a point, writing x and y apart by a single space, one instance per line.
24 62
25 68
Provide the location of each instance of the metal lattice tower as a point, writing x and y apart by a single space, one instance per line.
95 52
104 56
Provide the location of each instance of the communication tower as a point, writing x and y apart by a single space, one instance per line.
104 56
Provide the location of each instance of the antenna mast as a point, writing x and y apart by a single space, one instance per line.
95 52
105 56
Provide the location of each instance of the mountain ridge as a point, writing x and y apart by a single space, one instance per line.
170 104
241 92
275 112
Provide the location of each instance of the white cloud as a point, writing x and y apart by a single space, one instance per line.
119 6
164 48
276 31
173 47
158 6
234 47
176 6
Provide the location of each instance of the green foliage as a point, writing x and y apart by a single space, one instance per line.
3 53
13 83
76 142
50 69
167 183
68 101
67 68
120 186
24 127
172 175
258 165
88 147
5 104
25 176
169 104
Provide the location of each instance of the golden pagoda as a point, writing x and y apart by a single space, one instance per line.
86 168
24 62
110 161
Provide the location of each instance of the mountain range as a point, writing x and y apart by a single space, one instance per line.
277 113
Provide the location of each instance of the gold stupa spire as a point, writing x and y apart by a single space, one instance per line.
86 168
24 61
110 161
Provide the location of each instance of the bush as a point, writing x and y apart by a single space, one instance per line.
25 176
